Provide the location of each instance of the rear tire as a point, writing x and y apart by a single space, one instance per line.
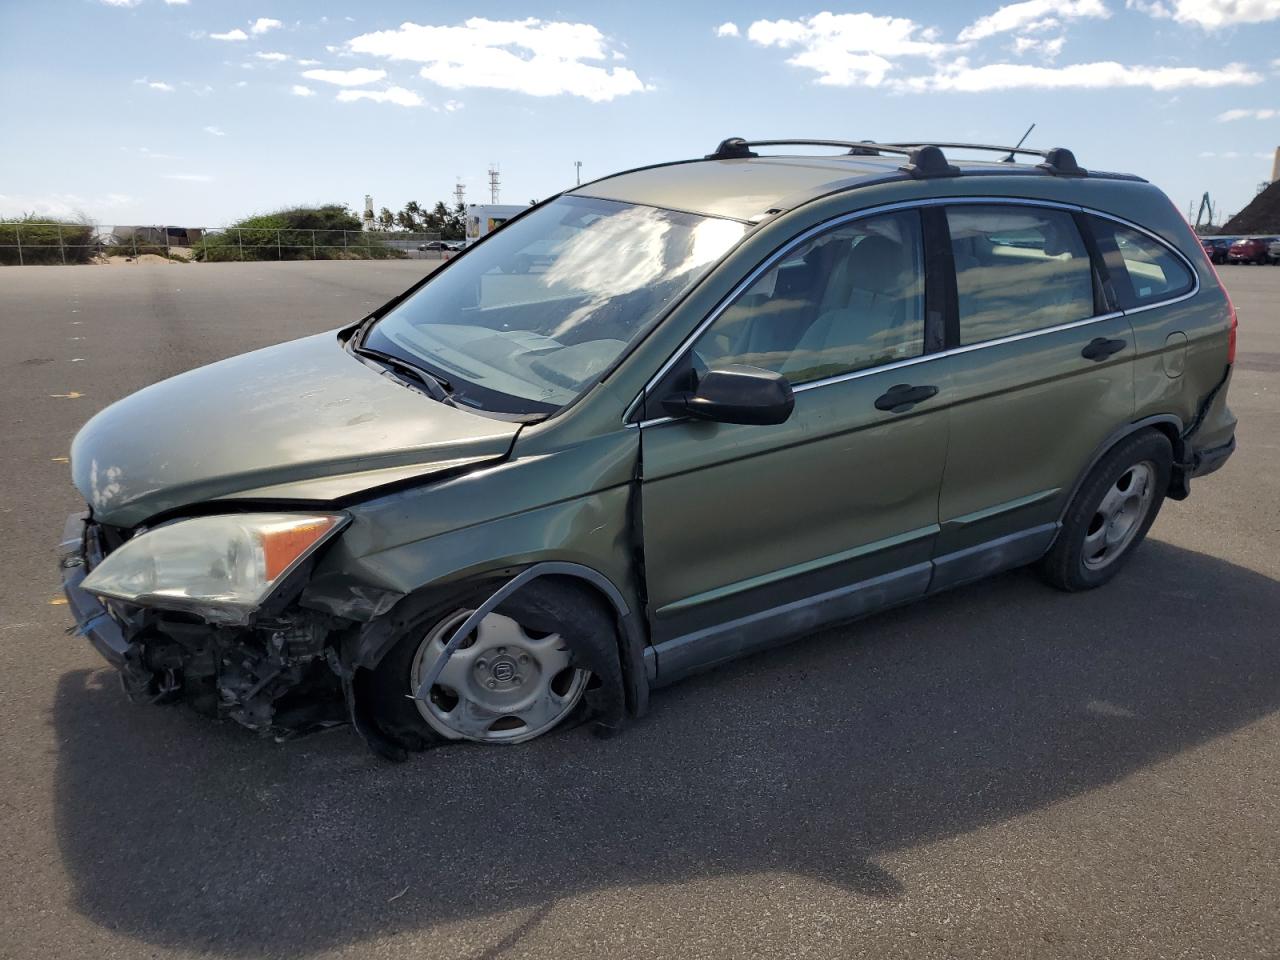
1111 513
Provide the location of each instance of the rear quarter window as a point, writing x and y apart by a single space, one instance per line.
1143 270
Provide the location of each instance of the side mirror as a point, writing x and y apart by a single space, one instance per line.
736 394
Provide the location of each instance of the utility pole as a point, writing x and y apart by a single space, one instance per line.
493 183
459 191
578 164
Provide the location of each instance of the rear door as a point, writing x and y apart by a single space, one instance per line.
1041 370
752 533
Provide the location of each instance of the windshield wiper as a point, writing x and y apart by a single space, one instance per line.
436 386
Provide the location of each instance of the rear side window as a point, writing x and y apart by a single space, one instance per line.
1018 269
1142 270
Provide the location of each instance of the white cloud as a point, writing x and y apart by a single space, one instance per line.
1031 15
242 83
1049 49
160 85
189 177
236 34
452 106
263 24
298 90
1210 14
960 76
397 95
538 57
176 3
729 29
121 3
307 63
848 48
356 77
215 131
63 205
1265 113
271 55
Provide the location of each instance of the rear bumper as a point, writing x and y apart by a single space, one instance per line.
1207 461
92 619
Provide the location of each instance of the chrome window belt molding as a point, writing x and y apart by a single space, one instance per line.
844 218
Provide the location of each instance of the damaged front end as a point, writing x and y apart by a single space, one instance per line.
260 660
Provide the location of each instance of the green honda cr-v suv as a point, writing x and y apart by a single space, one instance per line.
654 423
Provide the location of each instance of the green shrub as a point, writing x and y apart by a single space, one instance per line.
330 232
33 239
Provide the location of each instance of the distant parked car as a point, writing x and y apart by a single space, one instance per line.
434 245
1249 250
1215 248
1273 250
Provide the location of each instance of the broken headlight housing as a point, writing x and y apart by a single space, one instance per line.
222 567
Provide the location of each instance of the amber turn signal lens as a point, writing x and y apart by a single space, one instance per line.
284 543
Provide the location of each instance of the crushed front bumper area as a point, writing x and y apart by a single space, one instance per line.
92 619
279 677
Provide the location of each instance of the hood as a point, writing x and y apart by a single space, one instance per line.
300 420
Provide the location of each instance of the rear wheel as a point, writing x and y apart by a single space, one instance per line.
1111 513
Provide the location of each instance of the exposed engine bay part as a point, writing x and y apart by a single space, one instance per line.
274 678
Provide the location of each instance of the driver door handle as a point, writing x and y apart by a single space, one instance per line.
901 397
1100 348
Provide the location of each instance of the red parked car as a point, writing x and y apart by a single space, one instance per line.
1248 250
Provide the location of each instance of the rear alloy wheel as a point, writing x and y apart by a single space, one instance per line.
1111 513
504 684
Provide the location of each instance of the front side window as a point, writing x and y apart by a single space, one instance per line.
1142 270
847 300
1017 269
535 314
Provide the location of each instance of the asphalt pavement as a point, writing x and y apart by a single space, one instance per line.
1001 771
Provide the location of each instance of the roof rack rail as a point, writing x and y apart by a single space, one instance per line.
1059 161
924 160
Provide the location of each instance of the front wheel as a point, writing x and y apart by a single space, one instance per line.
547 654
1111 513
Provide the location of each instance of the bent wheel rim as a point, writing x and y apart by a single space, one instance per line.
1119 516
505 684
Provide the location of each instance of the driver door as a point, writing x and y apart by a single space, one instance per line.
757 533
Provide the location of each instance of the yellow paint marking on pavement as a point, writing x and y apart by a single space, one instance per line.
60 459
73 395
58 602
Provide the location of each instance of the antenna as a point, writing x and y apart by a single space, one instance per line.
493 183
1009 158
578 167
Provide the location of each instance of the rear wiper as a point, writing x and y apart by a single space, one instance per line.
436 387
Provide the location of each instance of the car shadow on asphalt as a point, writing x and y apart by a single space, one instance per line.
817 758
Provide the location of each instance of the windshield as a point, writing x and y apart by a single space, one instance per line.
530 318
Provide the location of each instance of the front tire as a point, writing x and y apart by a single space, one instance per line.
1111 513
547 655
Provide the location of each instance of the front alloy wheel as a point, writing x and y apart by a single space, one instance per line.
505 684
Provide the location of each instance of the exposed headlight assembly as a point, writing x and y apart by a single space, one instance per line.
222 568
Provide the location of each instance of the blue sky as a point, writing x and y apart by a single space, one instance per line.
199 112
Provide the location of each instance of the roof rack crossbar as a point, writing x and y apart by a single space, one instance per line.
1058 160
923 159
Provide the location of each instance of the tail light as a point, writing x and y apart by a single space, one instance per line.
1231 335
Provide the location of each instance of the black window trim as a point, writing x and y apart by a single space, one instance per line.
632 416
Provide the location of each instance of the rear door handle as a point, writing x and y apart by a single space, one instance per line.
1100 348
903 396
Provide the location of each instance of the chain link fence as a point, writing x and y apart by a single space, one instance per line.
31 243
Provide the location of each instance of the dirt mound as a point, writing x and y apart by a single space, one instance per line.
1262 215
